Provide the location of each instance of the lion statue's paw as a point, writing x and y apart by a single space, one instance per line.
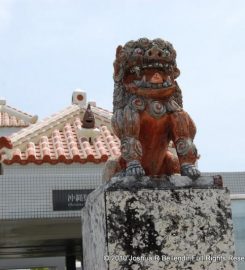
190 170
134 168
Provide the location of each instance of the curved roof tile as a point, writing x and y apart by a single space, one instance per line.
11 117
56 140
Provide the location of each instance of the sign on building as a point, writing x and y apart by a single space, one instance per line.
66 200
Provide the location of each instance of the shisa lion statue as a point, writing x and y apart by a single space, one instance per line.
148 113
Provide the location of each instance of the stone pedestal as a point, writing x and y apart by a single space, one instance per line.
170 223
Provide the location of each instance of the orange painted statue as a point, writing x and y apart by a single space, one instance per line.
148 113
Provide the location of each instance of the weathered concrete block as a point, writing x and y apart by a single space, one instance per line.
168 228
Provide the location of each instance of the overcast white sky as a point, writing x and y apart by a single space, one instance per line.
50 47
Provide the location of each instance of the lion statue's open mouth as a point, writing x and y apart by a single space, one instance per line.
151 82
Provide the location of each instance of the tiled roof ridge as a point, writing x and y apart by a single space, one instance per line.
12 117
9 121
63 147
47 125
97 111
19 111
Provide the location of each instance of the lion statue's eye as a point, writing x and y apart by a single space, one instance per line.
166 53
138 51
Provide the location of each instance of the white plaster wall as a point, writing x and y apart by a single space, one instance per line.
57 169
26 191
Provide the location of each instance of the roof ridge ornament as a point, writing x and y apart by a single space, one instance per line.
79 98
88 118
88 131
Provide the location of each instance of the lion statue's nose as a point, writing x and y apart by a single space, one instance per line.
155 52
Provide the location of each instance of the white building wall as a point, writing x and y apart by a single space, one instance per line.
57 169
26 190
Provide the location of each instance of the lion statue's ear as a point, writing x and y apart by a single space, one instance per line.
118 51
176 72
118 72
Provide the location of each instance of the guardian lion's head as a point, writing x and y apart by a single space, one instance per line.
146 68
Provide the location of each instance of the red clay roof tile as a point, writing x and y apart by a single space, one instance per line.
56 140
11 117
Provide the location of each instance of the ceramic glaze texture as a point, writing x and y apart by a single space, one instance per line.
148 114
